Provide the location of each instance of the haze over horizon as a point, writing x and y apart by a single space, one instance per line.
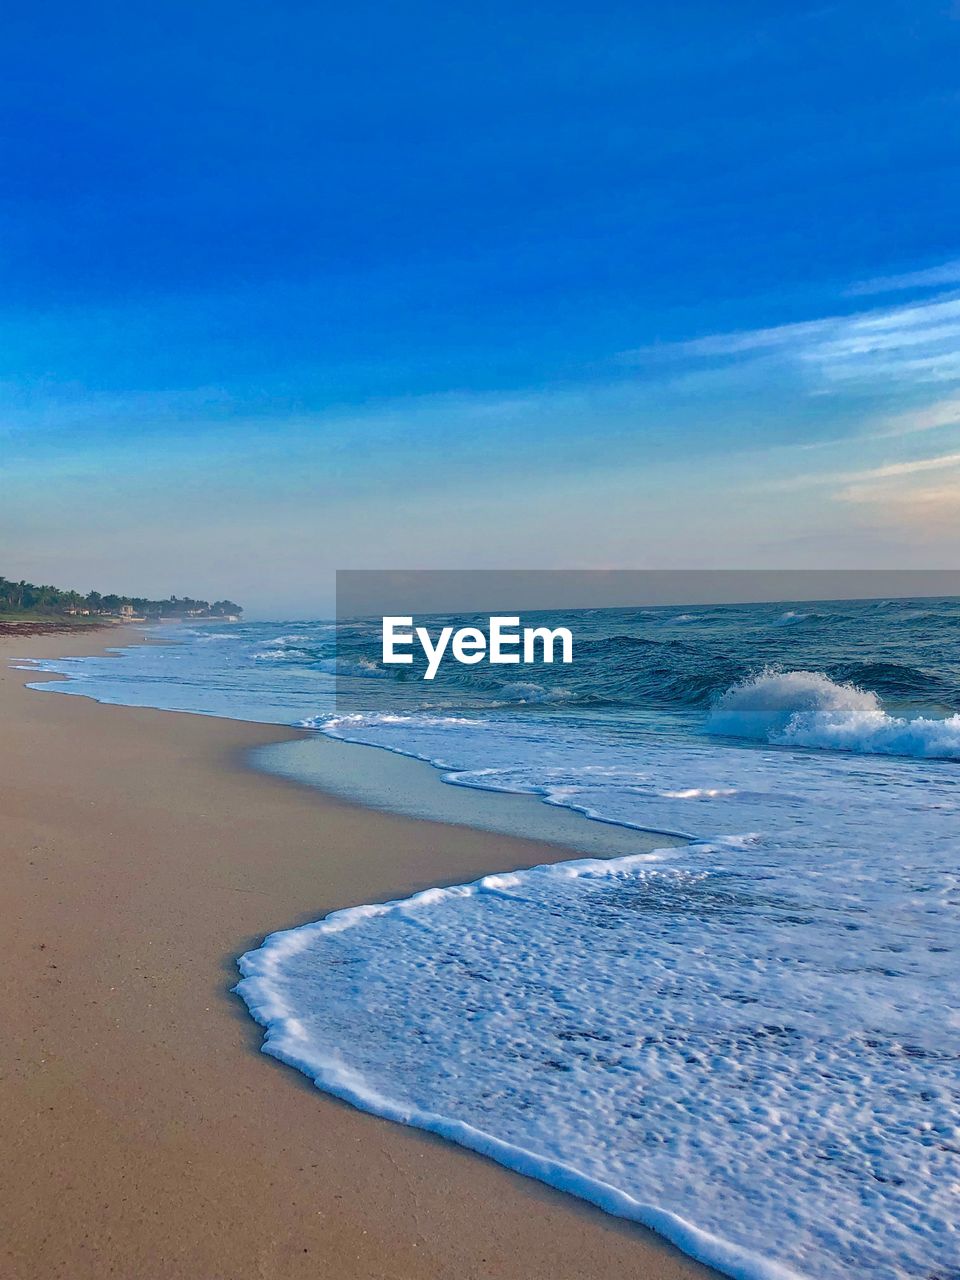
292 289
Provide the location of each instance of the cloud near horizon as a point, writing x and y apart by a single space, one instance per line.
914 344
855 391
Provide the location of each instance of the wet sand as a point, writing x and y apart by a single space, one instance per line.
144 1135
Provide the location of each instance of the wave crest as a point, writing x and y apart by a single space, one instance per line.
808 709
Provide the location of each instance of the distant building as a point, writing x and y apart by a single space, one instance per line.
129 614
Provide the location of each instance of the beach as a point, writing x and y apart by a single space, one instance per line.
146 1136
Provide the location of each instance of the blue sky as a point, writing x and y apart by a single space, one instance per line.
293 287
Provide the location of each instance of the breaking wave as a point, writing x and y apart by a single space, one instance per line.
808 709
362 667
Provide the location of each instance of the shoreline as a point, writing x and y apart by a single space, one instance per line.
142 856
382 778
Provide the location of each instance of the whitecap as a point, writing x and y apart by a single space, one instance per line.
808 709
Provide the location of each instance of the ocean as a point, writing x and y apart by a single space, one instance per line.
748 1038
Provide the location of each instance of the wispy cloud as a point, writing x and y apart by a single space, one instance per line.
935 277
921 494
907 345
931 417
930 509
894 470
868 475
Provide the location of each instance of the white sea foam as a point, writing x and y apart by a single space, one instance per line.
363 667
280 653
750 1044
807 709
528 691
273 987
791 617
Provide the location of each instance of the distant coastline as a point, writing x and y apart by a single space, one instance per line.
29 602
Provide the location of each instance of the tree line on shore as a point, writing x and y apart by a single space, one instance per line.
29 598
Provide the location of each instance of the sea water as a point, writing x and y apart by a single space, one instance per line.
750 1042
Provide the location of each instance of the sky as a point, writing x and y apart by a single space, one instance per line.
290 287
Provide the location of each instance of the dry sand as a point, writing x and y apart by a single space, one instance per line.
144 1135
